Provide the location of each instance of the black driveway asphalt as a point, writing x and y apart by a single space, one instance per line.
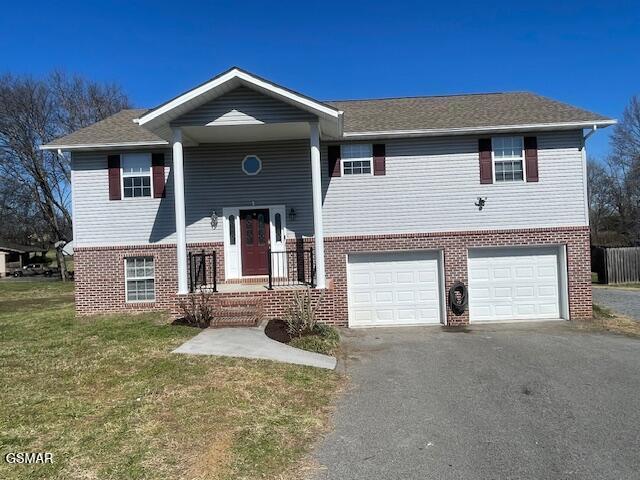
622 300
525 401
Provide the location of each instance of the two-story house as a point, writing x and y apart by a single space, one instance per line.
249 190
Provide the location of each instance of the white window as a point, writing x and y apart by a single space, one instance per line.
356 159
136 175
139 279
508 156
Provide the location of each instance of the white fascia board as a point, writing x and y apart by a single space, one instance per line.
97 146
476 130
235 73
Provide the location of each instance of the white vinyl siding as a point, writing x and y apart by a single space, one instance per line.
213 180
140 279
243 106
431 185
357 159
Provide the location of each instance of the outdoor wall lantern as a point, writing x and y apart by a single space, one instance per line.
292 214
481 202
214 219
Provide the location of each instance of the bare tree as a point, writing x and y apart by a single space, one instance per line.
34 112
624 170
615 185
20 218
599 207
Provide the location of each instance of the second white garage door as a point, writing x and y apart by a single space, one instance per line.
514 284
388 289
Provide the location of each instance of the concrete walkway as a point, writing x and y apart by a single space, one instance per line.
251 343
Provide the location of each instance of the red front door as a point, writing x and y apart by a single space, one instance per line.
254 243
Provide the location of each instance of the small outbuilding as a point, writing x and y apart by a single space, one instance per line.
14 256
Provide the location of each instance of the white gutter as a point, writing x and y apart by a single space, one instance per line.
378 134
475 130
90 146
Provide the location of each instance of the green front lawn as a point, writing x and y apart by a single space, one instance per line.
109 400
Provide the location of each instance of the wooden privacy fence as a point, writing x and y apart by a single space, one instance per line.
616 264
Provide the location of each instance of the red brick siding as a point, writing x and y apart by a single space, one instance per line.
100 271
99 276
455 246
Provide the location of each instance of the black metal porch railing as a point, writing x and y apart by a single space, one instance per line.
290 268
203 272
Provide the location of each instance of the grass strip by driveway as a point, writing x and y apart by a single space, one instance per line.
607 320
106 397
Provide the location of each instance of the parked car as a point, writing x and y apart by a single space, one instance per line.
33 269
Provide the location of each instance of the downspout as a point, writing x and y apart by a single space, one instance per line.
585 175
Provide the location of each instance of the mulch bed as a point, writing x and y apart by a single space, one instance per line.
277 330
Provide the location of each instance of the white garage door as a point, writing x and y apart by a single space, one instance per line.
514 284
394 289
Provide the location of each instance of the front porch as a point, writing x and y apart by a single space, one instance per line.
262 242
287 270
250 200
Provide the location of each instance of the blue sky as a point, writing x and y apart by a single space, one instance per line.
585 53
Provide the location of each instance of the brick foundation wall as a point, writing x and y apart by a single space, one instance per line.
99 276
100 271
455 246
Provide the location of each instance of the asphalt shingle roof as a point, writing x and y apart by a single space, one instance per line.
118 128
413 113
457 111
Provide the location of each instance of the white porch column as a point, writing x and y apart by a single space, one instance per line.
178 199
316 183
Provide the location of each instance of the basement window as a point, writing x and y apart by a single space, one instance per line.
140 279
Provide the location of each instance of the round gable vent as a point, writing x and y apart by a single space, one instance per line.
251 165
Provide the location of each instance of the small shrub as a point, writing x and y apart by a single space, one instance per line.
197 310
327 332
324 339
301 316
